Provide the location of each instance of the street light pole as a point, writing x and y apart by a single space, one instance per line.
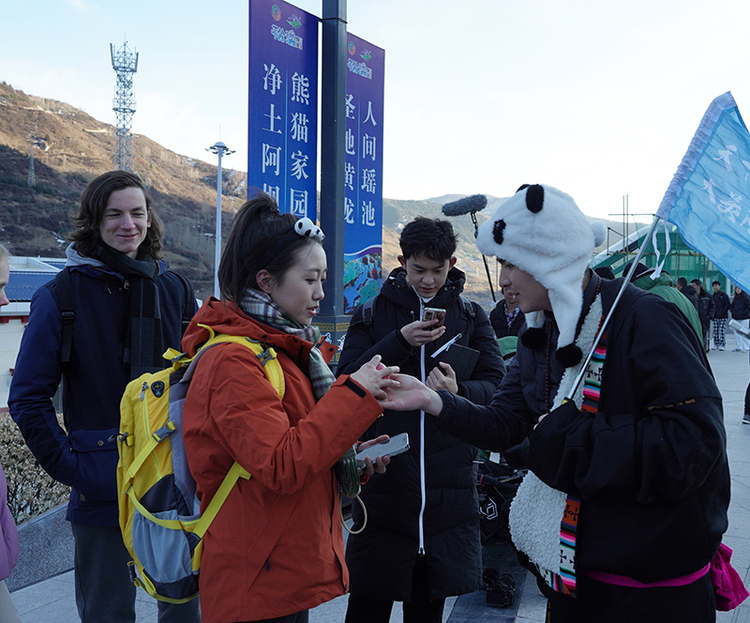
332 152
332 321
221 149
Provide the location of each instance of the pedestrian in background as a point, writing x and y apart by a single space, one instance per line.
705 307
9 545
740 309
643 278
507 318
721 314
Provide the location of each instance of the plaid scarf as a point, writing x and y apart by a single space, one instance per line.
259 306
510 316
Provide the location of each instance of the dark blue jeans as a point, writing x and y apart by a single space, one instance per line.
104 591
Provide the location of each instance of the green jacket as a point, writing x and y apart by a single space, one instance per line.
662 286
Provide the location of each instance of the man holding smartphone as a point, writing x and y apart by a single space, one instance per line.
422 541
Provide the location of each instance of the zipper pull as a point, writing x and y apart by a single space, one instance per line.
126 284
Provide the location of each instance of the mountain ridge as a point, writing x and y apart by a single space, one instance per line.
70 148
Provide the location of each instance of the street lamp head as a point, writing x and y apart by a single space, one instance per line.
220 148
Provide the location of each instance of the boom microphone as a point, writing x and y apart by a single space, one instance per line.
471 205
467 205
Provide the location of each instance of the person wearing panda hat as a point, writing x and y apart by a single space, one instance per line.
626 499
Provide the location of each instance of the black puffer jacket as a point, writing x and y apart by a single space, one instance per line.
721 304
650 466
740 306
437 466
500 323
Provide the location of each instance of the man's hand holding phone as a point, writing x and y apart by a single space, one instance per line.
426 330
434 313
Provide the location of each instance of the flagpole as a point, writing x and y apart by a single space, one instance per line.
625 282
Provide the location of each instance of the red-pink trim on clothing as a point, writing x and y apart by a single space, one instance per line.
623 580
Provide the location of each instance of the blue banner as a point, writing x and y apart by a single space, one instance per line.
283 105
363 204
709 197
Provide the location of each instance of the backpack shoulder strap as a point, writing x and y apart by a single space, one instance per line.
66 298
468 310
266 354
467 306
368 309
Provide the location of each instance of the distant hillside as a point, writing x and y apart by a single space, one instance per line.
71 148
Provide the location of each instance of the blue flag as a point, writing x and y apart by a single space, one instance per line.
709 197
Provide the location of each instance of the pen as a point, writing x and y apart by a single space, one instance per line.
446 346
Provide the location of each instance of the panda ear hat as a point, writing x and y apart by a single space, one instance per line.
542 231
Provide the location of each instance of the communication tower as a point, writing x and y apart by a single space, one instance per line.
125 64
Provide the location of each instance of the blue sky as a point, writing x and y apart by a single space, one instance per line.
597 98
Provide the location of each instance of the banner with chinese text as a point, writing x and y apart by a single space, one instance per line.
363 205
709 197
283 105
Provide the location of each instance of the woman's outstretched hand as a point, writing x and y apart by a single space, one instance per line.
375 377
410 394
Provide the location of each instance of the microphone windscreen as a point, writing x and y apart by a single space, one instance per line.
473 203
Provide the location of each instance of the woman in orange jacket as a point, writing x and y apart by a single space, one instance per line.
275 549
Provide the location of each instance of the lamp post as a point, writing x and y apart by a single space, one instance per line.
332 320
221 149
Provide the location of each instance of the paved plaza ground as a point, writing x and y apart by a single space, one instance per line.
52 601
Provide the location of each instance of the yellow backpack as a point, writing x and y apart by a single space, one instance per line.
159 511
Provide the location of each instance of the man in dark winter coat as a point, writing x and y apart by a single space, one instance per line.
507 318
740 308
626 500
422 541
706 310
721 315
127 310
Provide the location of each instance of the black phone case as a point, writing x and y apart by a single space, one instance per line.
462 359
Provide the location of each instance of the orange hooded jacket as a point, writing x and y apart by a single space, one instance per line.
276 546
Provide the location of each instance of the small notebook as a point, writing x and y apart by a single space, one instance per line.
462 359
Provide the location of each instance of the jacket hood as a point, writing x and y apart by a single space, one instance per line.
94 267
228 318
646 283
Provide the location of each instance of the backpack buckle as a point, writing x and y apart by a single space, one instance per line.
265 355
164 431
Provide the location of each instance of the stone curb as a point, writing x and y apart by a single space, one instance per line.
47 549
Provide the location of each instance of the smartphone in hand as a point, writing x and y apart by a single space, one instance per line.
398 444
434 313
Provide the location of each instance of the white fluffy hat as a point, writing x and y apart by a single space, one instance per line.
542 231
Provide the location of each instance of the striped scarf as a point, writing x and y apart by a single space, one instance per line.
543 521
259 306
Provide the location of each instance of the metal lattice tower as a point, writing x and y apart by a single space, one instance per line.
125 64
